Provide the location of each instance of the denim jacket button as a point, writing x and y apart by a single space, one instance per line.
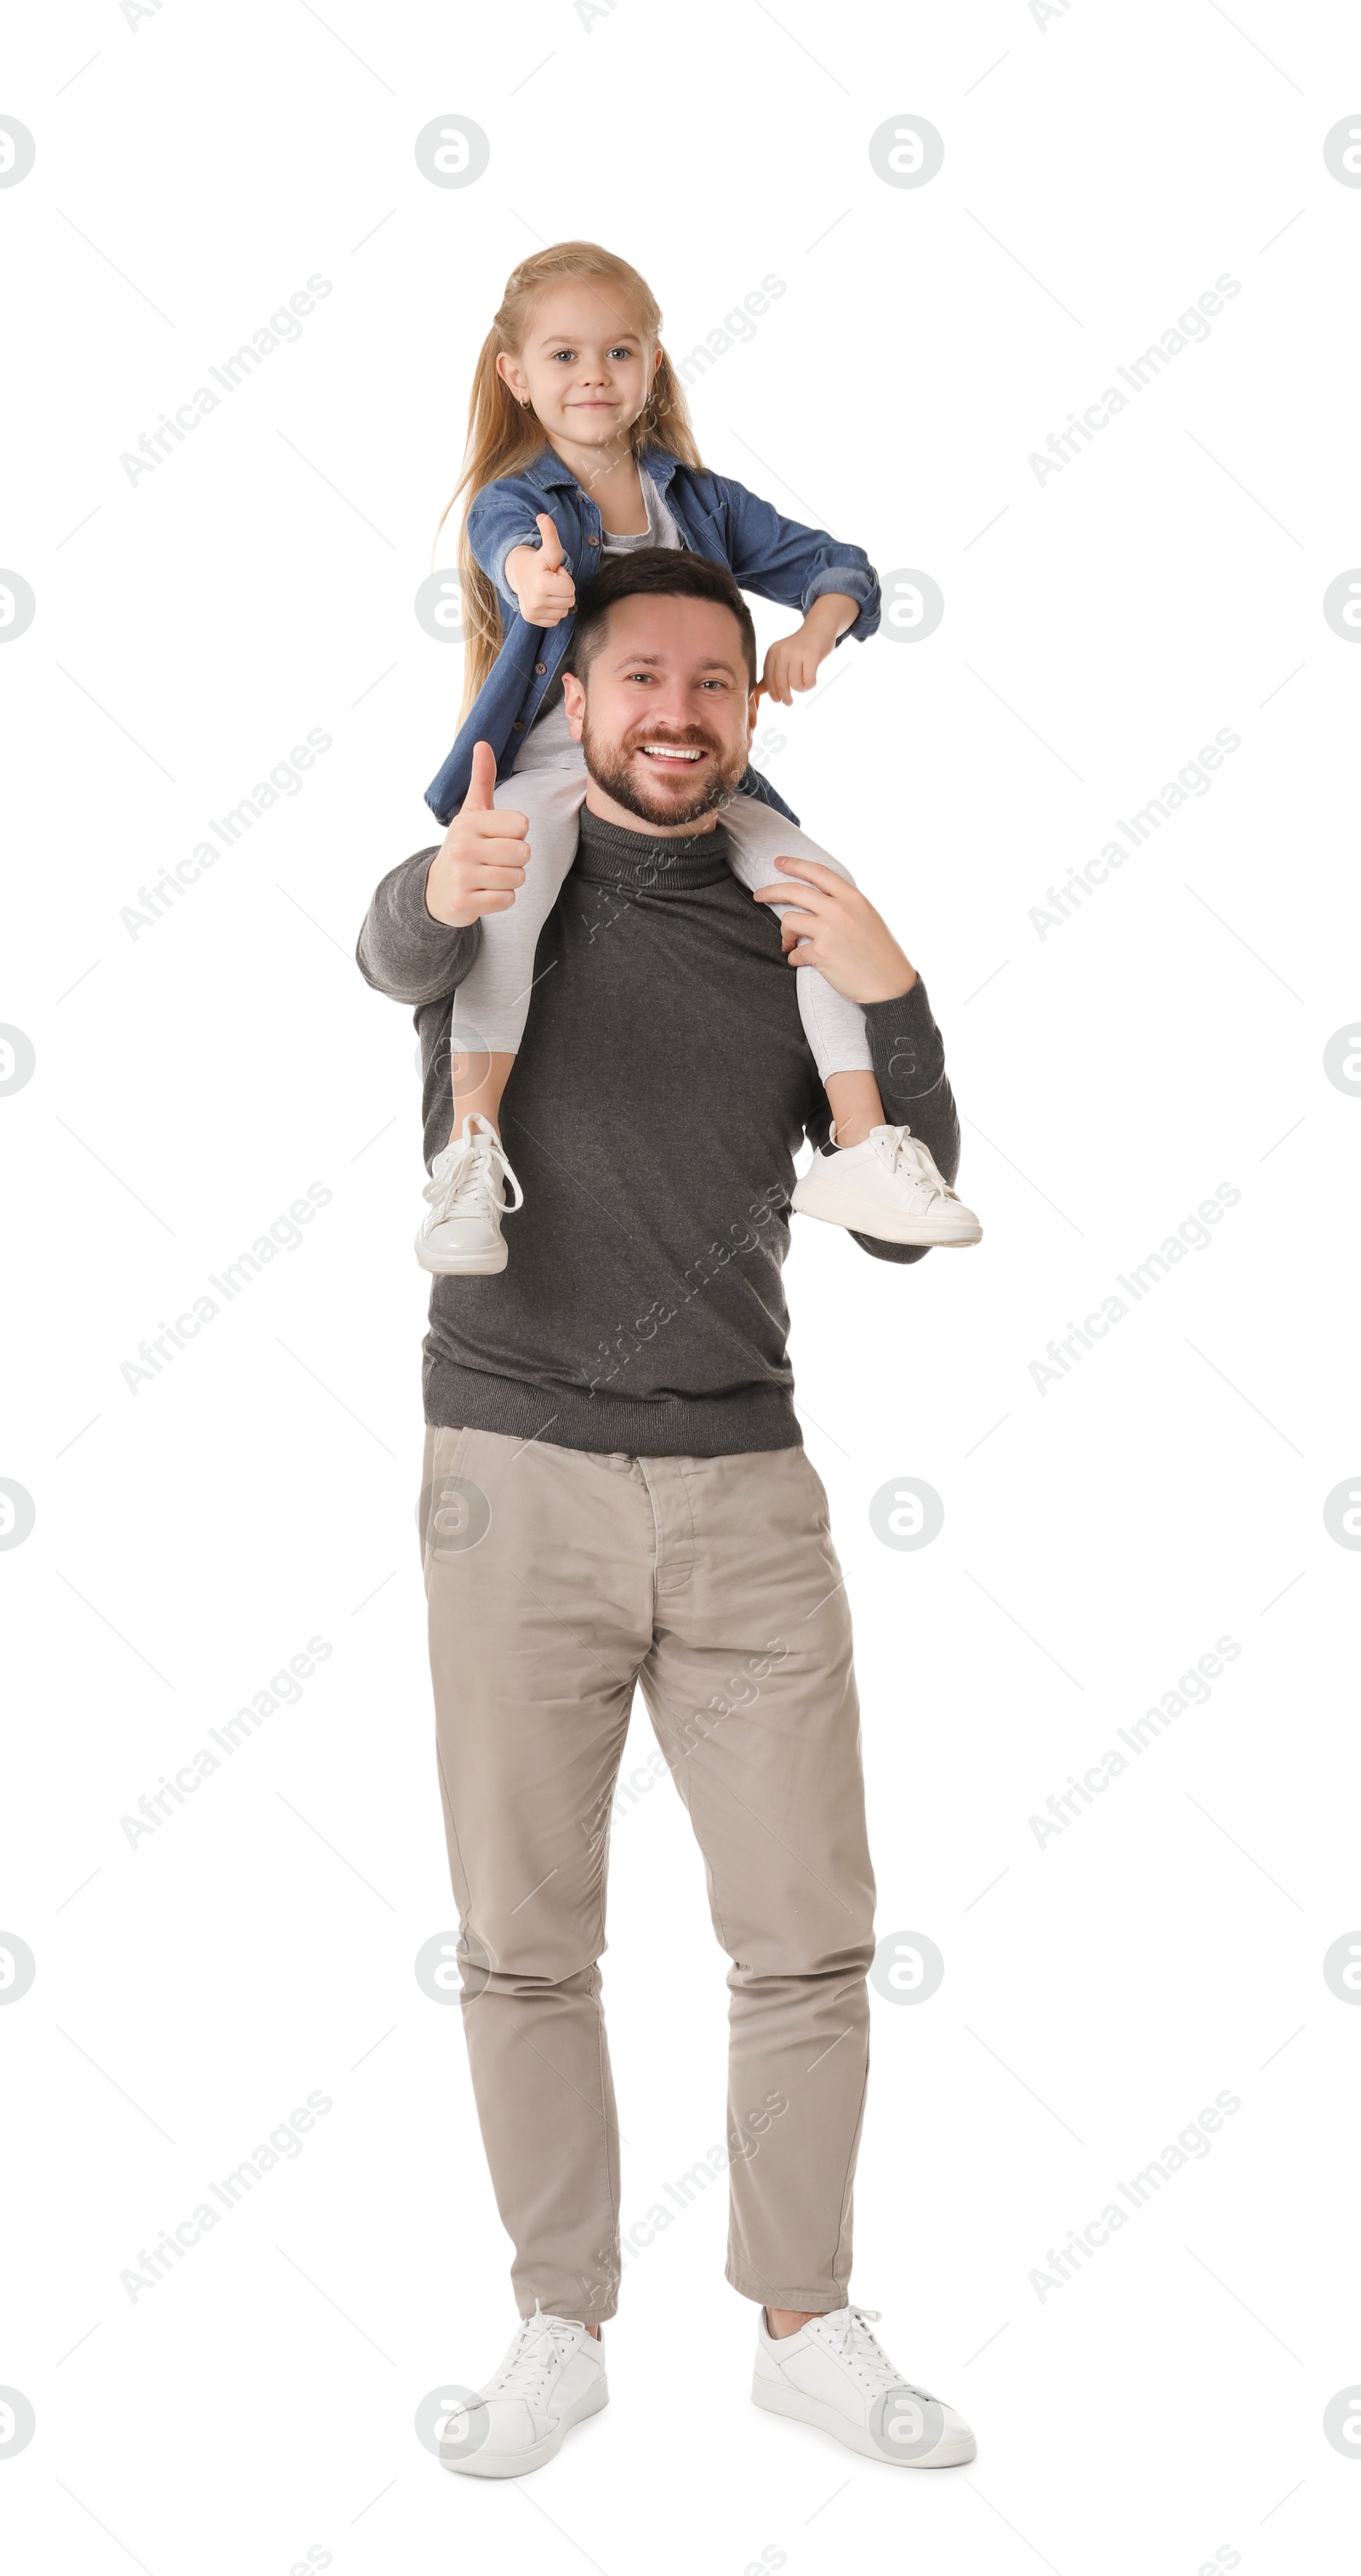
517 727
540 668
593 541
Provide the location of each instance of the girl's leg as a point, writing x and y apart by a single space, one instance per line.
492 1003
835 1028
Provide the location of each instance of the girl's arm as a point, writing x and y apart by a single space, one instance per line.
833 583
795 660
782 559
519 549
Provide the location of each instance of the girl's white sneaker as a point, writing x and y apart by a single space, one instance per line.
552 2377
836 2375
462 1230
887 1186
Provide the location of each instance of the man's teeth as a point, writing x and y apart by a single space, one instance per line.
669 751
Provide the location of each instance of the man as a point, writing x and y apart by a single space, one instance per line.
616 1492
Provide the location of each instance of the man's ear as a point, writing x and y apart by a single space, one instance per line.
574 700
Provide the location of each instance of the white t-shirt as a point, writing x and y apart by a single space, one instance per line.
661 529
548 740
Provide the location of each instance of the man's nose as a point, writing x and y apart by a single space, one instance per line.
680 707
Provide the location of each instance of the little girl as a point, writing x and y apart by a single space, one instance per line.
580 447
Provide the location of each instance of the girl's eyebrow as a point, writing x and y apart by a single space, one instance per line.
564 340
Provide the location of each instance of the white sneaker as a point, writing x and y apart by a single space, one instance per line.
834 2374
462 1232
887 1186
552 2377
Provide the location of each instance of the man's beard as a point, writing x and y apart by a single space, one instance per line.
609 764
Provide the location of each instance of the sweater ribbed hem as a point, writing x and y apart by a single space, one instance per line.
715 1426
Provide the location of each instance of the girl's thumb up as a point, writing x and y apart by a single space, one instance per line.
551 556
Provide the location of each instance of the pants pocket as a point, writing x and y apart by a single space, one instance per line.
441 1507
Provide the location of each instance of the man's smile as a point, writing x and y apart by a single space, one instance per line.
672 756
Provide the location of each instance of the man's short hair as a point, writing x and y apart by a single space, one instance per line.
655 572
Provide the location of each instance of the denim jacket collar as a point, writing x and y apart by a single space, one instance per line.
549 472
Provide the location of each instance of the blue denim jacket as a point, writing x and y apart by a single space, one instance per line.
775 557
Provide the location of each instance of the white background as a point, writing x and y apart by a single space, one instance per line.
1099 1536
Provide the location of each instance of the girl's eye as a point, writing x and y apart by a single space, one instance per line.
568 354
619 353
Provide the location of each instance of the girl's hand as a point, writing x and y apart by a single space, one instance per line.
545 591
794 663
836 928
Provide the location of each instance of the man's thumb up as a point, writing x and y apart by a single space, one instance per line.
551 556
481 781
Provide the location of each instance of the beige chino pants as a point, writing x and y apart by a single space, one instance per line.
558 1579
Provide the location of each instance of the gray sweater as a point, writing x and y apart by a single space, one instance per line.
662 1090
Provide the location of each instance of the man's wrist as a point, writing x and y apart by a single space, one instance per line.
878 1000
438 920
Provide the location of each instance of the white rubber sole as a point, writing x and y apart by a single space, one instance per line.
863 1216
781 2400
518 2464
465 1265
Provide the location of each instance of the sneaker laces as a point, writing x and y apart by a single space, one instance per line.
542 2342
472 1184
898 1149
848 2332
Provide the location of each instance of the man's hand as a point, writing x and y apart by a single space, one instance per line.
483 857
794 663
535 573
836 928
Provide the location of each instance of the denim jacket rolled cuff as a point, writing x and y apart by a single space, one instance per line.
853 582
495 566
497 523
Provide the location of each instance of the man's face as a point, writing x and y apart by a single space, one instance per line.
665 713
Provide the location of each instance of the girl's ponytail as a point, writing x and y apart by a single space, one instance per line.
504 436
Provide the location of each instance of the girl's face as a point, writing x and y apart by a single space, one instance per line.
585 366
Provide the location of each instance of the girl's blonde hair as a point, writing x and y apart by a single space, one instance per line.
503 436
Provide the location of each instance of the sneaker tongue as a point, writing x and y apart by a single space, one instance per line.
900 1148
532 2354
856 2337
